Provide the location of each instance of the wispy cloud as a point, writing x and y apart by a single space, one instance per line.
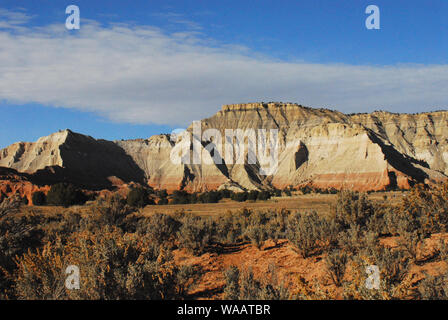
13 19
179 19
141 74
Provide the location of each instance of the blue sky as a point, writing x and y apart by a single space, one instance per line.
138 68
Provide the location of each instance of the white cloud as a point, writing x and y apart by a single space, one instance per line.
140 74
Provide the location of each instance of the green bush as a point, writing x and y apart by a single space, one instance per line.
162 193
240 196
162 202
181 197
263 195
39 198
253 195
139 198
209 197
65 194
225 193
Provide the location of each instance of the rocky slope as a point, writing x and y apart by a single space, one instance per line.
13 183
319 147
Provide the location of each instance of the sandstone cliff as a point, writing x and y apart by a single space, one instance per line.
13 183
319 147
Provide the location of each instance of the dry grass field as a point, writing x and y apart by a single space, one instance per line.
320 203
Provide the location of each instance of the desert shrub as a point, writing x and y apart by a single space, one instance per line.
421 213
62 225
256 235
351 239
138 197
353 208
18 233
442 248
39 198
330 232
409 242
377 222
250 287
276 226
161 228
232 287
423 210
112 211
113 265
434 287
230 227
427 206
185 277
8 206
355 240
306 232
258 218
269 289
65 194
195 234
399 222
336 262
393 266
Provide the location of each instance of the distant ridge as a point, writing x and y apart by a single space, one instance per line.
318 147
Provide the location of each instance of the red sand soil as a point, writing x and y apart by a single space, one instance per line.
290 266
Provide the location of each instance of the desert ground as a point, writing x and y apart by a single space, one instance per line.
306 277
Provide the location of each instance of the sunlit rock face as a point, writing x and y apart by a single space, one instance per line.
317 147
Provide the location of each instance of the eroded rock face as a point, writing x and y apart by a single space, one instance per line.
66 156
13 183
363 152
318 147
